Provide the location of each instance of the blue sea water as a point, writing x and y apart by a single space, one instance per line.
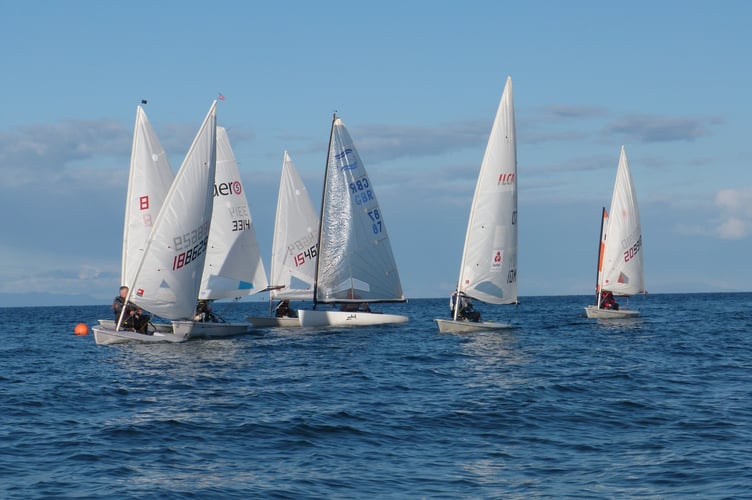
560 406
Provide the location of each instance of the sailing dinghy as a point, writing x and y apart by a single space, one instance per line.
488 271
149 179
620 263
167 278
355 263
294 246
233 266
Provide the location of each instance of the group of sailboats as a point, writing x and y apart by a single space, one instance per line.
488 270
187 237
190 237
341 264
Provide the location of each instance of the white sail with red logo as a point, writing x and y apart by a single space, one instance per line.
168 277
233 266
488 271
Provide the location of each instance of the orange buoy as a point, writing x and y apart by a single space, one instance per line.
81 329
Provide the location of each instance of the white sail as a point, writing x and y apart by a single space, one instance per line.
233 266
622 264
489 260
149 180
355 261
488 270
168 278
295 243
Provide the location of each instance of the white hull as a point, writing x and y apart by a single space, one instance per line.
461 326
160 327
594 312
340 318
106 336
266 321
204 330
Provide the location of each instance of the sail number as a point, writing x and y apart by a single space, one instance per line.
184 258
310 253
376 219
241 225
192 244
303 248
632 251
360 190
190 238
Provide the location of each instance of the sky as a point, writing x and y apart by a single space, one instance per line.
417 84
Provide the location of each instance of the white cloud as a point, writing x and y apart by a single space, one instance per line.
736 213
645 128
733 229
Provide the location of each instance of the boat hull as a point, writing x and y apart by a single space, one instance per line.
104 335
340 318
460 326
266 322
208 330
159 327
594 312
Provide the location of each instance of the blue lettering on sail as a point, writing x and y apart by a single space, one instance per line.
343 156
344 153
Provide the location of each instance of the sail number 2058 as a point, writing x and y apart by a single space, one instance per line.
631 252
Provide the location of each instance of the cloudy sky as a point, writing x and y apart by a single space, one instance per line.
417 84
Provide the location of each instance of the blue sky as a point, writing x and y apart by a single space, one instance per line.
417 84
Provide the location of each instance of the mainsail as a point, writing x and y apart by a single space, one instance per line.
622 263
169 275
489 260
149 180
355 262
233 266
295 243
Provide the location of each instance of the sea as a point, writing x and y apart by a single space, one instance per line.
558 406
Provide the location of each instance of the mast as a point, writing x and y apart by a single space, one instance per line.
599 262
321 212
